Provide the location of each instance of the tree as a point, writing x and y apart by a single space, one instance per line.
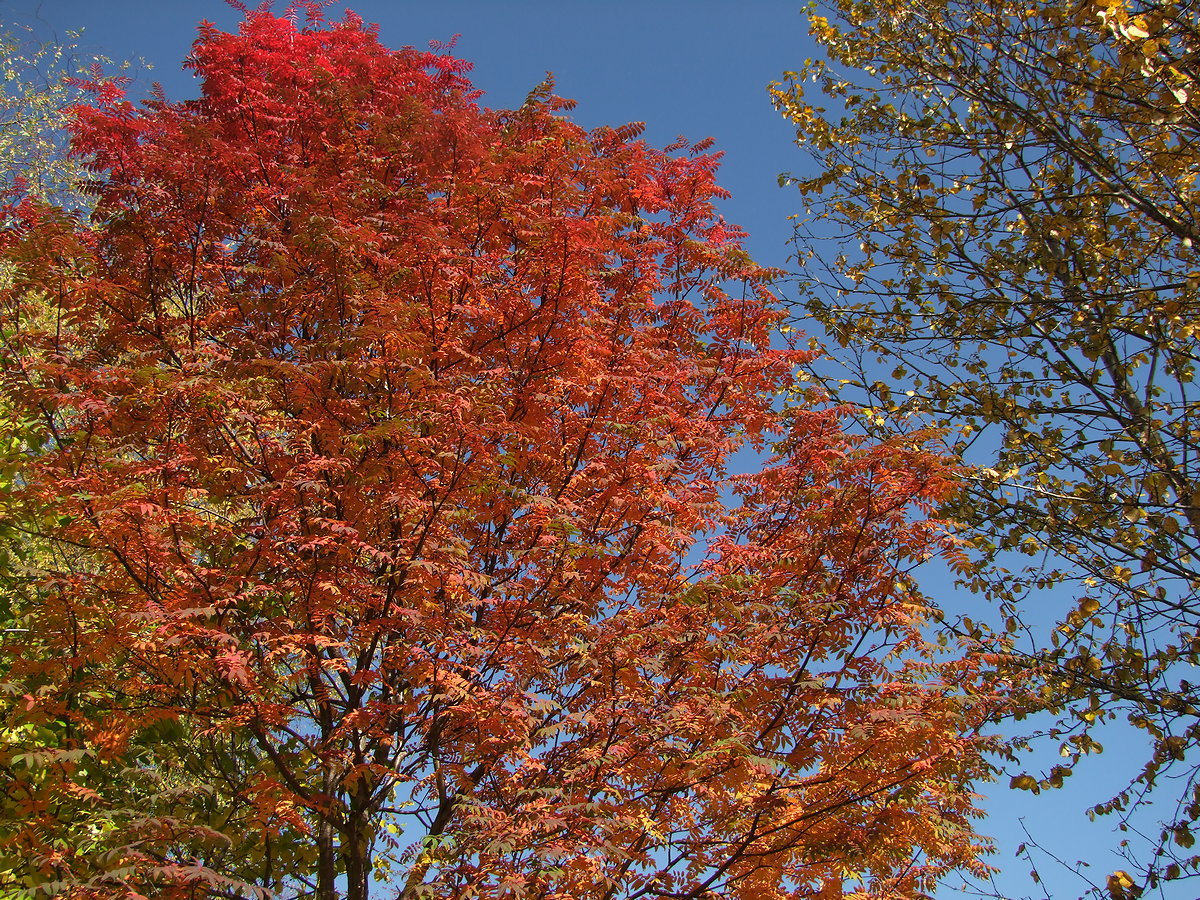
401 430
1019 179
39 84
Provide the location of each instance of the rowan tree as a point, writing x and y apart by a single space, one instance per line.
401 431
1013 189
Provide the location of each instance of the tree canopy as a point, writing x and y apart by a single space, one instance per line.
393 439
1015 188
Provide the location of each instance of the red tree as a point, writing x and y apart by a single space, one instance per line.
398 432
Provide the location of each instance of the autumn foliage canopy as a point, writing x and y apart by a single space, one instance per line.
386 445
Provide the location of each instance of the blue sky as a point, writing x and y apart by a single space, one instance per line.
695 68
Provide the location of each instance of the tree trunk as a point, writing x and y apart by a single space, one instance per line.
356 857
326 862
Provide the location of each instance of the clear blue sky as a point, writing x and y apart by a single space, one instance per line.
696 68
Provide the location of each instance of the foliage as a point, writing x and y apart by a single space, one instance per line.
1019 179
105 804
39 84
399 433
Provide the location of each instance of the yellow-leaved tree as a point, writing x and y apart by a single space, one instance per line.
1011 188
